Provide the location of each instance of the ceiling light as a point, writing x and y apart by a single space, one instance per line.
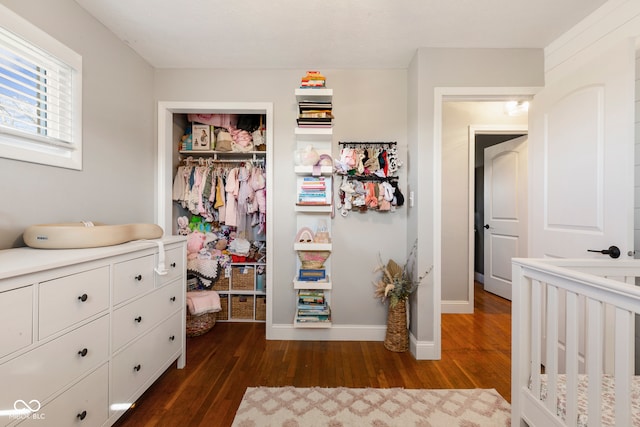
516 108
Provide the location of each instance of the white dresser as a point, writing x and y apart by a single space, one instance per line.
84 332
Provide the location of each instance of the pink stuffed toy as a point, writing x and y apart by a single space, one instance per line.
195 242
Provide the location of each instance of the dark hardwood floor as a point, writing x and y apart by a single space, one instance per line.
476 353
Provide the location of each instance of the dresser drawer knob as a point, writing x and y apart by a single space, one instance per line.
138 277
138 319
137 368
83 297
82 415
83 352
173 265
172 338
173 299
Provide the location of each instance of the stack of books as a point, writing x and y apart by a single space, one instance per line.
313 190
315 114
312 307
313 79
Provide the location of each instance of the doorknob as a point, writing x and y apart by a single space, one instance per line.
486 226
613 251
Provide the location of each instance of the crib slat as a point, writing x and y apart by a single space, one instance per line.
572 358
551 363
594 356
536 336
623 363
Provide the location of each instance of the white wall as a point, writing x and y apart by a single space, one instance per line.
116 184
369 105
432 68
456 118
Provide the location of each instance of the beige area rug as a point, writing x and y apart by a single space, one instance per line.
346 407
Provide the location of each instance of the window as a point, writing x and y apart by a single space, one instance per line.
40 96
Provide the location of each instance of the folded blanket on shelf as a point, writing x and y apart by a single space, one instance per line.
206 270
200 302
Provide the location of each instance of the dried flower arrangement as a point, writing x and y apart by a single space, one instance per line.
396 282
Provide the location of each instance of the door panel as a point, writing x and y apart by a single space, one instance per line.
581 130
505 210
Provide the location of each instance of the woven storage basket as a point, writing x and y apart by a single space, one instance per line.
397 336
221 283
242 278
261 308
241 307
313 259
224 303
200 324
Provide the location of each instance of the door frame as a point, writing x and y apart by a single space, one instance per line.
473 131
441 95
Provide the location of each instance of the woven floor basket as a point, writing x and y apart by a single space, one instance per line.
200 324
397 336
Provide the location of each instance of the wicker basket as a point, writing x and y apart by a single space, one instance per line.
242 307
397 336
242 278
200 324
221 283
224 303
313 259
261 308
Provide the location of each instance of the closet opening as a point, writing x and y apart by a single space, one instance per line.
214 179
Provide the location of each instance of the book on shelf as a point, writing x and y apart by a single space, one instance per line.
315 105
313 319
311 120
314 312
315 114
313 79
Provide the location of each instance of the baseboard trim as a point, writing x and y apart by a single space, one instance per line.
456 307
423 350
287 332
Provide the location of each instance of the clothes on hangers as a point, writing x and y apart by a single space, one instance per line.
233 194
371 158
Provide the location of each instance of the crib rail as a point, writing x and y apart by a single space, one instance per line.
572 318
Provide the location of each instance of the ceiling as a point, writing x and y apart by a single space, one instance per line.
329 34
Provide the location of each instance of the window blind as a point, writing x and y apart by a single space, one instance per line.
36 93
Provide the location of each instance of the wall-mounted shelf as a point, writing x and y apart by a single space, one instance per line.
314 205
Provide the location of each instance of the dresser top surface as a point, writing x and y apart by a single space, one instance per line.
20 261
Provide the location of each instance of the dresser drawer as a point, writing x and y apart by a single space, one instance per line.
84 404
135 365
175 264
16 319
139 316
42 371
132 278
70 299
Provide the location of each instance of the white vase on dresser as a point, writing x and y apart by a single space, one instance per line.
84 332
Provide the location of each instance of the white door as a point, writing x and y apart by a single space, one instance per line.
582 154
505 212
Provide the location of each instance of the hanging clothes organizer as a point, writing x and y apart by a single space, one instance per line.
369 177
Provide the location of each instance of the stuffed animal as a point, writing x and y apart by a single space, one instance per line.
195 242
183 226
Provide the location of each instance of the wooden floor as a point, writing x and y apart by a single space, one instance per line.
476 353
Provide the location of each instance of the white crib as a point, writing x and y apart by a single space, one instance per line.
573 320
